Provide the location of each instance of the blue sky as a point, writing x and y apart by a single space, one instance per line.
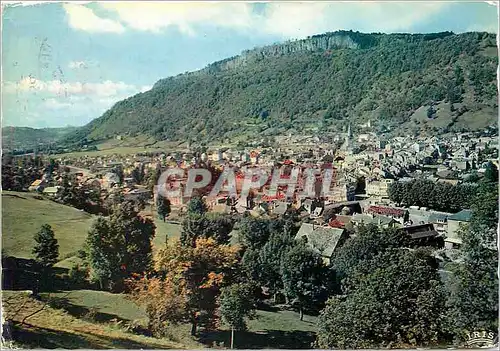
67 63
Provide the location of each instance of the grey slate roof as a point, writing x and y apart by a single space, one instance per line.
447 174
322 239
435 216
376 219
462 216
280 208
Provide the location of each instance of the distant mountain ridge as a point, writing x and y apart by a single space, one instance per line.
417 83
326 41
28 138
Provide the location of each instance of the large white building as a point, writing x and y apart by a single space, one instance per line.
379 188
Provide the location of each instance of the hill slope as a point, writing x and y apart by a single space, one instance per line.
320 83
53 328
25 137
23 215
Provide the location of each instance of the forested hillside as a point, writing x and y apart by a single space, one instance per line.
25 137
433 83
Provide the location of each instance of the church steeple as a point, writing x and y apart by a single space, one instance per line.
348 137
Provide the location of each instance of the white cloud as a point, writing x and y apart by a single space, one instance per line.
298 20
33 3
289 20
145 88
292 20
155 16
77 64
71 102
76 98
492 28
54 104
83 18
103 89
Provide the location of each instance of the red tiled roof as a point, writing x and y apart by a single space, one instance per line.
279 196
386 210
336 223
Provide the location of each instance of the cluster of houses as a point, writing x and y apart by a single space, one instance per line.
364 169
104 179
336 220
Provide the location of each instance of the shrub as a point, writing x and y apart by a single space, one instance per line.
78 275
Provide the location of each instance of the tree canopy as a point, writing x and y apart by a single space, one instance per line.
306 278
188 283
162 207
394 299
46 249
119 246
473 287
437 196
216 226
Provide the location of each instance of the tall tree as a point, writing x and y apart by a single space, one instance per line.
104 253
162 207
305 277
118 170
152 178
368 242
197 206
136 174
46 249
254 232
237 303
473 287
119 246
194 277
396 192
395 299
266 241
270 260
137 233
491 173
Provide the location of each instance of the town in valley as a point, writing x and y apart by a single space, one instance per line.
336 191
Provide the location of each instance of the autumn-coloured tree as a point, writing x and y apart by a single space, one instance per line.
187 284
165 300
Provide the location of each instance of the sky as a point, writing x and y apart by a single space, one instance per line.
67 63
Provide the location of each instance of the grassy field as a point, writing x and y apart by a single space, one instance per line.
128 146
98 319
163 229
471 119
57 328
270 329
23 215
106 306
